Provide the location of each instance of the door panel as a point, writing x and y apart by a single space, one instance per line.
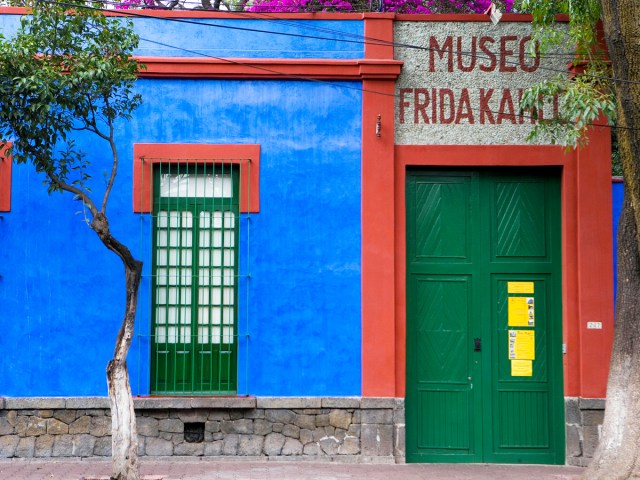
484 371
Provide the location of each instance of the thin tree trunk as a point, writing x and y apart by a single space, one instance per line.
124 439
618 454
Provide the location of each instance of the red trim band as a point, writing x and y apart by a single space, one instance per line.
194 67
5 181
145 155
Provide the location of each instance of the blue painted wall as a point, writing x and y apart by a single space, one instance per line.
61 292
617 192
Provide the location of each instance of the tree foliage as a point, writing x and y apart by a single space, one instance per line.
585 95
311 6
64 71
69 69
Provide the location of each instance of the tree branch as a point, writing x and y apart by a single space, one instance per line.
114 169
74 190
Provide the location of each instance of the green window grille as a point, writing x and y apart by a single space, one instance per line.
194 345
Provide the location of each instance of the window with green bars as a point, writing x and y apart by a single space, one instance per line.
194 333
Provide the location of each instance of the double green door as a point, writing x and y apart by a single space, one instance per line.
484 338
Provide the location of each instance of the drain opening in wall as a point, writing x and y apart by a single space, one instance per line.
194 432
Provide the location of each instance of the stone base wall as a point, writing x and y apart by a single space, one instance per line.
583 417
337 428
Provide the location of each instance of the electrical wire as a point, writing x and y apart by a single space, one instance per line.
360 40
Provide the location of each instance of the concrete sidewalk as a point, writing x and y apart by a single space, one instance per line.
239 469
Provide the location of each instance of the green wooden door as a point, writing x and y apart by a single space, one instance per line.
484 339
194 347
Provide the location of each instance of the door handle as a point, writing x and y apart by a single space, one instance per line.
477 345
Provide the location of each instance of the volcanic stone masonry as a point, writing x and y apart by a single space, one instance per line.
348 429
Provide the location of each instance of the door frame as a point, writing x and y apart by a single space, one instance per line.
586 228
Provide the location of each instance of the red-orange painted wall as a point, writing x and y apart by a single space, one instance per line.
587 292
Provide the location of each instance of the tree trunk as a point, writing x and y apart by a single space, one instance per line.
124 439
618 454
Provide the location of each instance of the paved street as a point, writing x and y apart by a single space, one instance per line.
241 469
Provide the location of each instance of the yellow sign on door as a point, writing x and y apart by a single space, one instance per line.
519 287
521 368
521 312
522 345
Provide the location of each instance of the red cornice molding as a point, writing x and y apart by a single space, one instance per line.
194 67
474 17
145 155
453 17
5 181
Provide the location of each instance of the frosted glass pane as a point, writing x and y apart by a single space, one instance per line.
161 315
229 220
205 219
186 257
173 256
172 315
217 238
228 296
161 296
228 258
172 336
185 315
196 185
229 239
162 238
162 219
217 219
203 296
204 276
173 295
185 276
228 276
174 219
186 238
185 295
216 276
185 334
161 255
174 238
227 334
227 315
203 334
161 334
215 335
215 315
173 276
187 220
205 239
217 258
203 315
215 296
161 276
204 257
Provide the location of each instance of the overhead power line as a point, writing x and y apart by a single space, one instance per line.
339 84
356 39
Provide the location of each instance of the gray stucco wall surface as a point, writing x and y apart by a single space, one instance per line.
461 82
